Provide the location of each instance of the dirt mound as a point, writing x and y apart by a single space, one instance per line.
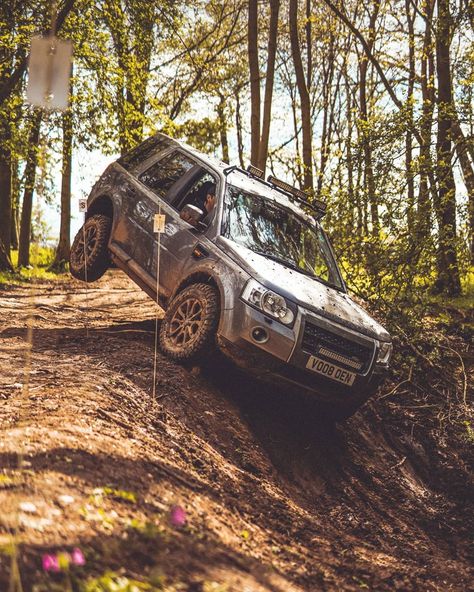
274 498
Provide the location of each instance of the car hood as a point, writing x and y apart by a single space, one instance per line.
304 290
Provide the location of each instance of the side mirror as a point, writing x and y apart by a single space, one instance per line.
191 214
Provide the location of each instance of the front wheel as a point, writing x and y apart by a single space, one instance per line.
188 328
89 258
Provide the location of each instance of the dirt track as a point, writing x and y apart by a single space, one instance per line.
275 500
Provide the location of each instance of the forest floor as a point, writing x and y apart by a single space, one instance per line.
274 499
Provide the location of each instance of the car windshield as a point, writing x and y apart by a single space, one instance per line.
268 228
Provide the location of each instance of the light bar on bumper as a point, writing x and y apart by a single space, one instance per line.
269 302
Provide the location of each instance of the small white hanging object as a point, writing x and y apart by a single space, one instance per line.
159 223
49 72
83 205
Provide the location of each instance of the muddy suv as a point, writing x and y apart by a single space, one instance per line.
253 274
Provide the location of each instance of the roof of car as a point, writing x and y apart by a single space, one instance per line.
211 160
245 180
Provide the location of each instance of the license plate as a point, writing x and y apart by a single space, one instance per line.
330 370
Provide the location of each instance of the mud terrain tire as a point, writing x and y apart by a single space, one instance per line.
188 329
95 232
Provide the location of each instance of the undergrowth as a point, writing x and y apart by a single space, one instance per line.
433 338
41 259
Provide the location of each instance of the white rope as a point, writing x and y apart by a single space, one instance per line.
155 358
85 277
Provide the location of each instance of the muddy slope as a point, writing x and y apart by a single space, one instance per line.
275 499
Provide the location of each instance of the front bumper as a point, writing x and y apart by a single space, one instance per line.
283 357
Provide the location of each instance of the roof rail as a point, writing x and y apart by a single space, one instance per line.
232 168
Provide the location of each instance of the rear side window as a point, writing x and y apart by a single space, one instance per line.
139 154
162 175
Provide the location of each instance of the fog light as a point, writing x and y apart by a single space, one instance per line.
259 334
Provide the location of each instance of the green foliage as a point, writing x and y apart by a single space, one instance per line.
40 261
120 494
182 68
156 582
147 529
464 302
113 582
203 134
469 434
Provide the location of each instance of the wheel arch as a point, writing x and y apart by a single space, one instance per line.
198 277
101 205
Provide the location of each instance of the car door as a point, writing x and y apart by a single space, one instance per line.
129 190
154 185
164 183
178 242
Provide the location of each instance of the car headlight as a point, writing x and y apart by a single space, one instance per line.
269 302
385 353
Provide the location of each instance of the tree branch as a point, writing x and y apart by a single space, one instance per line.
368 52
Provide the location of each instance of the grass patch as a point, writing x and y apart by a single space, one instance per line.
463 302
40 261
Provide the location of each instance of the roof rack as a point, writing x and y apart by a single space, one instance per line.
300 196
317 207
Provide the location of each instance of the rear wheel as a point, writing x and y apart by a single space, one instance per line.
188 329
89 258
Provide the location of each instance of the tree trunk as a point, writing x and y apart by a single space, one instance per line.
462 151
223 128
238 127
448 272
137 80
15 193
369 180
62 252
131 26
353 205
408 134
270 75
30 177
309 44
254 81
328 112
296 129
423 213
15 227
5 201
304 97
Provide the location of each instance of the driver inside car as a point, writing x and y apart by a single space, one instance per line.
205 200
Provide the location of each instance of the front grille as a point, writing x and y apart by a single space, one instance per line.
344 352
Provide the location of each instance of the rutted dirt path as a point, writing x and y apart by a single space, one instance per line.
274 499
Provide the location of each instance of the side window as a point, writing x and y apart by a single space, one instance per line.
196 194
139 154
162 175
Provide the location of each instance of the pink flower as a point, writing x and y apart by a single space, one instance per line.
50 563
77 557
177 516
